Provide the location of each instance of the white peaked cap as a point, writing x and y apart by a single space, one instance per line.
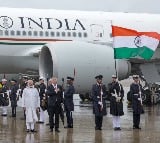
135 76
4 79
41 78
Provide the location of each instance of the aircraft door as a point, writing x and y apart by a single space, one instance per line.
101 32
97 32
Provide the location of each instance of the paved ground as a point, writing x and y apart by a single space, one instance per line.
12 130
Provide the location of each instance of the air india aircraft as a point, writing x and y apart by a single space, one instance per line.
71 43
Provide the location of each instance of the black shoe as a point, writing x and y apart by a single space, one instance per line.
138 128
4 115
13 115
118 128
68 126
27 130
99 128
33 131
40 122
56 130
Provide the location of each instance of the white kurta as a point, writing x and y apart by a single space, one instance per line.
31 101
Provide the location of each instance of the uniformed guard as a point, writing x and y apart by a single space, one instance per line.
24 84
136 91
116 101
68 101
42 88
55 98
4 96
14 96
99 104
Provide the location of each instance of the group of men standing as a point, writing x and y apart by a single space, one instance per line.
115 95
33 101
33 97
56 95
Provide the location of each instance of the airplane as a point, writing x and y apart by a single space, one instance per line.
62 43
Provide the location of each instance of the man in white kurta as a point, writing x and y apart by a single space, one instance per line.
30 103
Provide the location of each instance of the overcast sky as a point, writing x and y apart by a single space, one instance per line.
145 6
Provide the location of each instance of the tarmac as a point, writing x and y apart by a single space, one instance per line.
13 130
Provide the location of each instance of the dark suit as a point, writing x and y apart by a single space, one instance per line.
136 104
13 98
68 103
54 105
99 110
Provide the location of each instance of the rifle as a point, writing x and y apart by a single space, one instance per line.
140 94
62 104
101 98
118 97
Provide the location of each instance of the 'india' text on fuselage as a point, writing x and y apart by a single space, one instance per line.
41 23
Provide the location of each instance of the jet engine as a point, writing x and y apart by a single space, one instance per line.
81 60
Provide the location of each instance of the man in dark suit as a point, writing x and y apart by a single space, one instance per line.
13 96
55 98
136 91
116 101
68 101
99 104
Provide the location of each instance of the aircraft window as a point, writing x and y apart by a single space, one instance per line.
46 33
69 34
12 32
41 33
74 34
111 35
18 33
100 34
6 32
85 34
1 32
35 33
63 34
52 34
57 34
24 33
79 34
29 33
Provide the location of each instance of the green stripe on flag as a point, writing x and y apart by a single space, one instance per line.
126 53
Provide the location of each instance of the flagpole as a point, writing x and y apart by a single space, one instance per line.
115 61
115 64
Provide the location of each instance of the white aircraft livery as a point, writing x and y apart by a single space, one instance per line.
70 43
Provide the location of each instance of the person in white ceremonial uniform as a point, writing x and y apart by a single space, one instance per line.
42 88
30 103
116 101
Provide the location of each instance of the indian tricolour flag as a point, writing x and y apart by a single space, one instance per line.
130 43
